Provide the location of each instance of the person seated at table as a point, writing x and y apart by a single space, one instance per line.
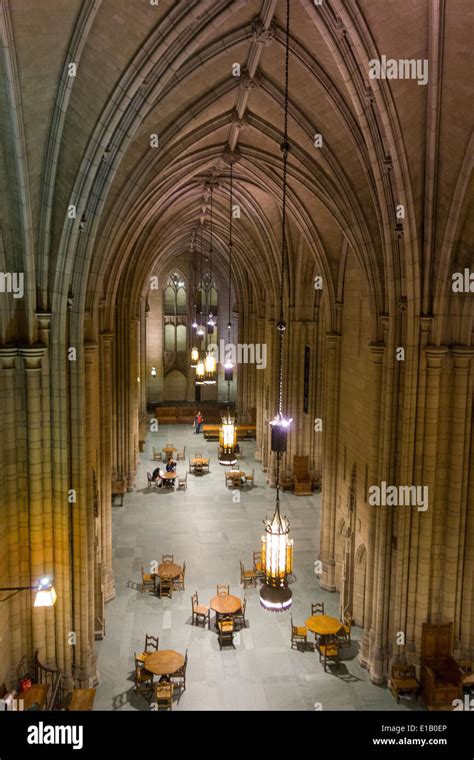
170 465
156 477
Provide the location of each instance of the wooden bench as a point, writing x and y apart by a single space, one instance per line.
82 700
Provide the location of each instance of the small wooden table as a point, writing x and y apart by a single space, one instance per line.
36 695
169 570
203 461
225 604
168 478
164 663
169 449
234 475
323 625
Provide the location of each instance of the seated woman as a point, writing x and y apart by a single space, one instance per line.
156 477
170 465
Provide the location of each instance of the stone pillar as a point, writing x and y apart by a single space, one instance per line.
330 456
92 418
377 358
435 357
456 522
32 359
106 406
13 622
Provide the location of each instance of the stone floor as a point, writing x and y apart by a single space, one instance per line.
209 529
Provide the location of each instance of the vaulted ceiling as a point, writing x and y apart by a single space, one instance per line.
166 69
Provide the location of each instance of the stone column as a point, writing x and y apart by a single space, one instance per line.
92 418
456 522
13 623
330 456
435 357
377 358
105 343
32 359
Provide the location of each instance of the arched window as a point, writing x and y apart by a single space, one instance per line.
206 296
176 301
175 308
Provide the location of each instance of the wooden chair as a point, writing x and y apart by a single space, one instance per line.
250 477
257 565
156 455
226 631
181 454
247 577
299 635
236 482
151 643
344 634
227 478
403 681
164 695
148 579
198 454
200 612
167 557
198 469
441 677
239 617
152 483
206 465
222 589
329 650
178 583
301 476
183 483
166 587
143 677
191 465
317 608
179 677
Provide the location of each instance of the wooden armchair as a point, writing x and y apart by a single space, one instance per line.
247 577
301 476
329 650
200 612
178 582
226 631
441 677
164 696
299 635
148 580
403 681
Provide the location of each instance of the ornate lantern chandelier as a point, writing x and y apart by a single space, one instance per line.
200 372
210 365
227 441
277 547
194 357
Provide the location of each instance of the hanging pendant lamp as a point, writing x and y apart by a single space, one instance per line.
210 362
277 547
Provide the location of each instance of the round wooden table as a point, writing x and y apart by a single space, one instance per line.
225 604
323 625
164 663
167 477
169 569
